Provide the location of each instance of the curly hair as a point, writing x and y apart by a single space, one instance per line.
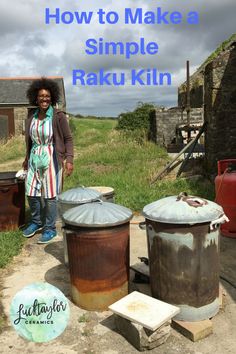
43 84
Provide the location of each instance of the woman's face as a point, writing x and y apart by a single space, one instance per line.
44 99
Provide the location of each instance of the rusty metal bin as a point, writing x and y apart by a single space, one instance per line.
72 198
12 201
183 248
98 251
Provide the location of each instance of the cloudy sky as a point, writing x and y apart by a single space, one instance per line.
30 47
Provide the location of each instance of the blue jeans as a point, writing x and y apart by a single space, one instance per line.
43 212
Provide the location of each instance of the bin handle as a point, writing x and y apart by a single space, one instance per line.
4 189
68 231
220 220
142 225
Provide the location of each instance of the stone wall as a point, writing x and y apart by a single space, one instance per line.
20 114
164 122
196 91
4 126
220 108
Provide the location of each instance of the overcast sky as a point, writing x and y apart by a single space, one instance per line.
29 47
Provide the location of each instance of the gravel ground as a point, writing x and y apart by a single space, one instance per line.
95 332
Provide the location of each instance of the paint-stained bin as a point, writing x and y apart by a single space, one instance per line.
71 199
108 193
183 248
97 237
12 201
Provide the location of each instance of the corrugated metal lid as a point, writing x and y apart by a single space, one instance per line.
183 209
79 195
99 214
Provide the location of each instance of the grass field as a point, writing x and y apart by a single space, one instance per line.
106 157
13 149
10 245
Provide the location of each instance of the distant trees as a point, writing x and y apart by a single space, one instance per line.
137 122
137 119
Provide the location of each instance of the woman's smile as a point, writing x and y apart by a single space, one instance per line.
44 99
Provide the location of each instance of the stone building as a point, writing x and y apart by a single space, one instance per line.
165 121
220 108
14 104
213 86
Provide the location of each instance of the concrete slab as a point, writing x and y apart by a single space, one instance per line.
138 240
144 310
140 337
141 268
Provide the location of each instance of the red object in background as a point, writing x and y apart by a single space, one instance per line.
225 189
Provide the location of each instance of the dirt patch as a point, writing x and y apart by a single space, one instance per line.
4 273
95 332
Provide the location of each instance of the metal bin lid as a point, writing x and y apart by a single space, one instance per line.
7 175
183 209
9 178
101 214
79 195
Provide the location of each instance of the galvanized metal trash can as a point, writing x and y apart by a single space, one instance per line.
108 193
72 198
12 201
183 248
98 251
75 197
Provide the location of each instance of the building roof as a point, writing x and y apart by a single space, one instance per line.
13 90
197 76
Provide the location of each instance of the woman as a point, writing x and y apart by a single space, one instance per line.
49 146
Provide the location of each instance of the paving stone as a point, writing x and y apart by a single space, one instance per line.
140 337
144 310
194 330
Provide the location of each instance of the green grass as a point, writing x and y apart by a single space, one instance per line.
83 318
219 49
12 149
2 322
91 131
10 245
107 157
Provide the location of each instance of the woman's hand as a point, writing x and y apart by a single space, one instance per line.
69 168
25 165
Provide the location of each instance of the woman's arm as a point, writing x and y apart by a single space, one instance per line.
68 143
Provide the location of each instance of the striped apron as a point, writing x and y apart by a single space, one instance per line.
44 177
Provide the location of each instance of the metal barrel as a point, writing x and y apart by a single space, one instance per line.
98 264
184 267
71 199
12 202
108 193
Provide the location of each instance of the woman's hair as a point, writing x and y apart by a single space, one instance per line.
43 84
